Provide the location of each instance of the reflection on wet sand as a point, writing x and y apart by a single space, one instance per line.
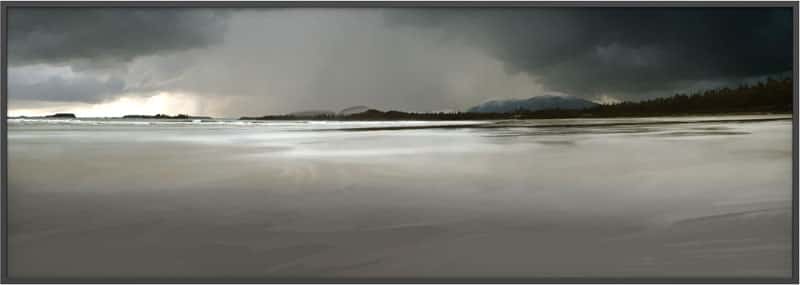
699 199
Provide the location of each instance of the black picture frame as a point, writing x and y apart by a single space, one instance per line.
6 5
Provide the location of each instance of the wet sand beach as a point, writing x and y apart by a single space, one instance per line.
707 197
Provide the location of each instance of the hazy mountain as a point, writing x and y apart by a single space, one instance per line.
533 104
353 110
313 113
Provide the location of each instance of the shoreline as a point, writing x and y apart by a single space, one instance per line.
499 116
501 125
682 115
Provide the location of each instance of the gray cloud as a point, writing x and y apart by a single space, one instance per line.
283 61
258 61
42 83
589 51
99 37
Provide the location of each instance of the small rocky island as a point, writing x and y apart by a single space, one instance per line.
166 117
62 116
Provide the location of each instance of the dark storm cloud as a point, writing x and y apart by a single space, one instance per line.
628 51
89 37
263 61
81 89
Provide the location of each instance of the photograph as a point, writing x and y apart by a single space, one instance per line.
399 142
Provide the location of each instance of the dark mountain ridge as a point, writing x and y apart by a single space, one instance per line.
770 96
547 102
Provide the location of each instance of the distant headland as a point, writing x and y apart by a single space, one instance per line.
770 96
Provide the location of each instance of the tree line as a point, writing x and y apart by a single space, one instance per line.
770 96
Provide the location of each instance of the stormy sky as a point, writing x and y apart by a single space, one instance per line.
230 63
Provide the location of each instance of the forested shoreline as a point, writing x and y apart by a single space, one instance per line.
767 97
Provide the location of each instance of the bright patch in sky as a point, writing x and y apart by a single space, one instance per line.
161 103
